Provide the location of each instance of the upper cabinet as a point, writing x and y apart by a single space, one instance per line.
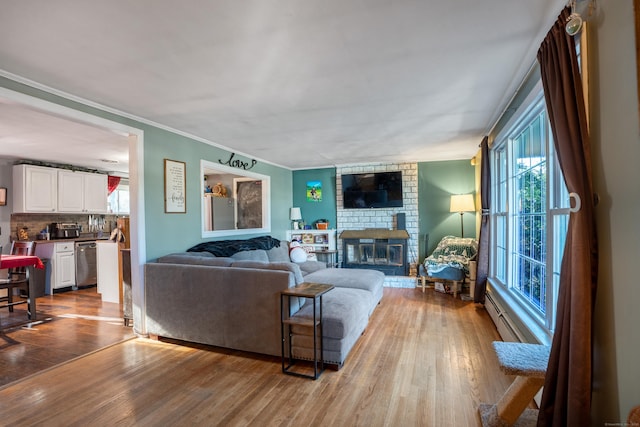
82 192
96 193
42 189
70 191
35 189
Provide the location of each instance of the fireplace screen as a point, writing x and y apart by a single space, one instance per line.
379 253
376 249
395 255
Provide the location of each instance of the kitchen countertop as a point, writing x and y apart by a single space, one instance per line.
76 239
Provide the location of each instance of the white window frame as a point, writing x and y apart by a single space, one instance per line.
502 279
122 187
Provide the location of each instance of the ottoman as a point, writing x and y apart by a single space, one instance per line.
345 314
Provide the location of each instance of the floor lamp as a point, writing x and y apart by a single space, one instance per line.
462 203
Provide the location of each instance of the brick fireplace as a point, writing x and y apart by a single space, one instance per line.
385 218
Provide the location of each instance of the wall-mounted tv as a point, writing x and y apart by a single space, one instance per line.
372 190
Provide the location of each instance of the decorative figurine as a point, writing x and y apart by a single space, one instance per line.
219 190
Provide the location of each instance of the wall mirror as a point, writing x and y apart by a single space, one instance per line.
234 201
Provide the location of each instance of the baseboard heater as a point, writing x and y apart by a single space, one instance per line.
507 330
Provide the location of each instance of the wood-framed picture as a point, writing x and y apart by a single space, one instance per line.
175 186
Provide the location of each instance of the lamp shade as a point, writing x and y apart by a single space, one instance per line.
462 203
295 214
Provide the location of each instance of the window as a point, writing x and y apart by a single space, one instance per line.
118 200
529 214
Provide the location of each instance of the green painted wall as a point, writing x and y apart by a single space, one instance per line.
181 231
166 233
312 211
437 181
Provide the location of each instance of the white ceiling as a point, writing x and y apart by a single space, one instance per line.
298 83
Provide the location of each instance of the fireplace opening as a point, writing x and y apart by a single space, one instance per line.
379 249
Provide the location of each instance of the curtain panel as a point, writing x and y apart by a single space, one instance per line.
112 183
566 399
483 241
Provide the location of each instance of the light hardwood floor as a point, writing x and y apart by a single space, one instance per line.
425 360
69 324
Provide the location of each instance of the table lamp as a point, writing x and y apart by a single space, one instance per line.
295 215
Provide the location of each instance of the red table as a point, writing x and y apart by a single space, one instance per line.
31 262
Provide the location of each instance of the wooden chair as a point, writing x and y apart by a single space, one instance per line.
17 276
454 276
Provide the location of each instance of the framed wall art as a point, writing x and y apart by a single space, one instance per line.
314 191
175 186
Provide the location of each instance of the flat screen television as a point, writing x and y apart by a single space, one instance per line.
372 190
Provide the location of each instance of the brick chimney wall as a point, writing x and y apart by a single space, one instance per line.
359 219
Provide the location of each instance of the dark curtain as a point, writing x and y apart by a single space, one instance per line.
112 183
566 399
483 241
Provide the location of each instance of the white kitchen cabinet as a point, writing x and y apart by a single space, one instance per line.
82 192
45 190
70 191
61 257
35 189
96 193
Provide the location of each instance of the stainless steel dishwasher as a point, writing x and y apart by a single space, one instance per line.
86 271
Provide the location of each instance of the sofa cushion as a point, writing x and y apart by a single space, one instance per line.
253 255
200 254
355 278
279 254
368 280
188 258
284 266
311 266
344 311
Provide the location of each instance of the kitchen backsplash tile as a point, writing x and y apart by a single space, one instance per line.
34 223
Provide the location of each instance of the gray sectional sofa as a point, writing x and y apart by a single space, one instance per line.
234 301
